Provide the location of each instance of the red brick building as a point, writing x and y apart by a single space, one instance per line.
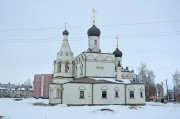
41 85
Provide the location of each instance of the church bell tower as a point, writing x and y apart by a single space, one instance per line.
93 37
63 65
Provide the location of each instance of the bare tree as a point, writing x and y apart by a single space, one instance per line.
176 81
27 84
147 76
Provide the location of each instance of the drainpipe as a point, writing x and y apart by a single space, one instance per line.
49 94
92 94
85 65
61 94
125 93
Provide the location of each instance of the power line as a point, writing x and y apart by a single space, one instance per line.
141 23
108 25
150 35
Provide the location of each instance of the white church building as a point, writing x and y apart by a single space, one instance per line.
93 77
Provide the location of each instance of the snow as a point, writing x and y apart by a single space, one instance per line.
39 109
124 81
108 79
3 88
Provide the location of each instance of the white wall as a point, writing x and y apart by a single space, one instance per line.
137 88
111 99
73 96
71 93
53 99
99 65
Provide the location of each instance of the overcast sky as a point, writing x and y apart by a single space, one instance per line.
31 34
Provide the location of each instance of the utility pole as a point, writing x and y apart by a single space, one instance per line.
174 93
167 92
162 90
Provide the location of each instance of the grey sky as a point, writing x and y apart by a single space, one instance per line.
31 34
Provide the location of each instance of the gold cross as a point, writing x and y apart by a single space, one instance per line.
117 41
93 11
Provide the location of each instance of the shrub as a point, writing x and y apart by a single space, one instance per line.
162 100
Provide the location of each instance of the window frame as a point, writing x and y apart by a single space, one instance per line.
141 94
81 94
116 94
131 94
104 94
95 42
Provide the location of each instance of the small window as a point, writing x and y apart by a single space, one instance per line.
116 94
131 94
104 94
141 94
95 42
66 54
81 94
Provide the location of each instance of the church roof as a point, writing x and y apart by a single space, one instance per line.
65 32
93 31
90 80
117 53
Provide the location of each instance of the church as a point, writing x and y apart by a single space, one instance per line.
93 77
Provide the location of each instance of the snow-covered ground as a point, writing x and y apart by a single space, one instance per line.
39 109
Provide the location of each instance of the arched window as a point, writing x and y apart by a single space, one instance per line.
66 53
81 94
131 93
104 94
59 67
67 67
116 94
95 42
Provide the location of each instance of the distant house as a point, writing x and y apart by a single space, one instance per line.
9 85
171 94
3 92
174 94
41 85
14 91
21 93
177 93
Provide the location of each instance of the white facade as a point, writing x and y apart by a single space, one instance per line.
116 93
92 77
95 65
139 94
